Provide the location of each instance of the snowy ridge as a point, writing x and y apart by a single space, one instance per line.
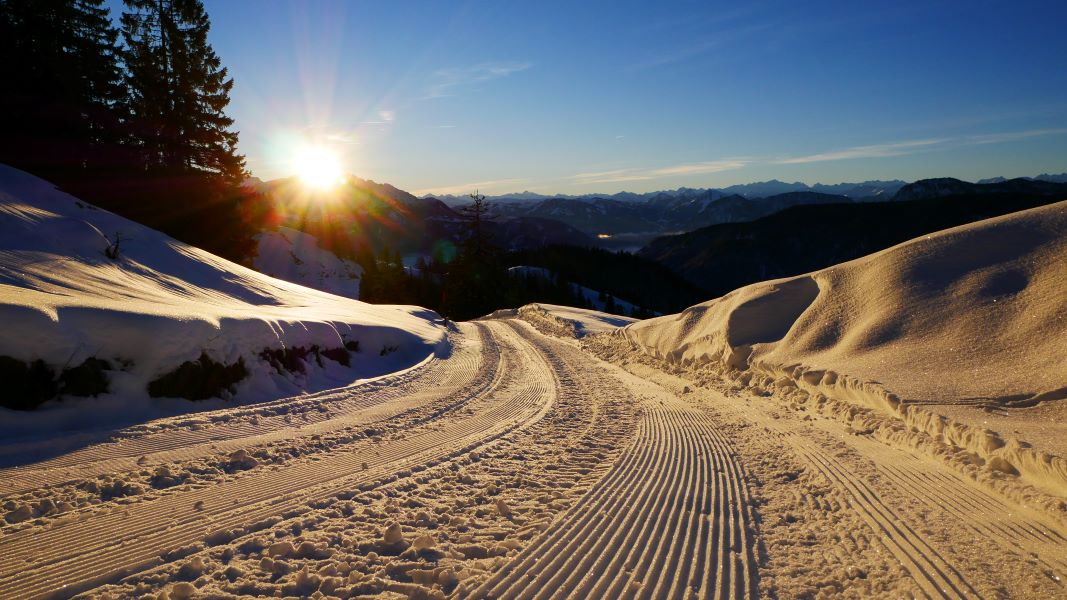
160 303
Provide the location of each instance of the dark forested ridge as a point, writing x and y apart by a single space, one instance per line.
627 276
724 257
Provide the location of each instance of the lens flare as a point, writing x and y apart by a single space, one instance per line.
318 168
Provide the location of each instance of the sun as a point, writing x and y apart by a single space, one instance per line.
317 167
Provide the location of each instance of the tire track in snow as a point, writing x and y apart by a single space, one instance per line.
936 576
74 556
672 518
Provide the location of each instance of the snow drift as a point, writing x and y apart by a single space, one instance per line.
160 303
563 321
975 315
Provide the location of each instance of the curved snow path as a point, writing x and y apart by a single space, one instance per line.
467 372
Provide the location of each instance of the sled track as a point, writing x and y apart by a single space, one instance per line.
73 556
468 372
670 520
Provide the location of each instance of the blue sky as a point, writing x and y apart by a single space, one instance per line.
578 97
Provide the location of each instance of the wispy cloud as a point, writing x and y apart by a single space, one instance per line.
467 188
872 151
885 150
702 45
1011 136
341 137
713 166
622 175
445 81
915 146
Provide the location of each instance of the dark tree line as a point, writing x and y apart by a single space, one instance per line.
628 276
131 118
472 282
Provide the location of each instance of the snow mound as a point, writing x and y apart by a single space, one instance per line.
162 303
959 336
566 321
977 311
297 257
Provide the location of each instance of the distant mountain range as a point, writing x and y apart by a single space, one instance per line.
867 190
379 215
662 213
730 239
365 215
1061 178
761 189
804 238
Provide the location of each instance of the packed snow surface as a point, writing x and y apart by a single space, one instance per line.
162 302
295 256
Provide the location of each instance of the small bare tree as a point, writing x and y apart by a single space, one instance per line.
114 245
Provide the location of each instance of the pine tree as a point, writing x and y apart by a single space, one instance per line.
477 281
61 112
179 90
476 245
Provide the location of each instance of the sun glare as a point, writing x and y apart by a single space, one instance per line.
318 167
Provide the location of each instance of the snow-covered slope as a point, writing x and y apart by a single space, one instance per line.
974 316
162 303
295 256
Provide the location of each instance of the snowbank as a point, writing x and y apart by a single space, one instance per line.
162 303
584 321
563 321
975 315
297 257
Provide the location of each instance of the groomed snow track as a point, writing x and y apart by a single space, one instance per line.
671 520
520 466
